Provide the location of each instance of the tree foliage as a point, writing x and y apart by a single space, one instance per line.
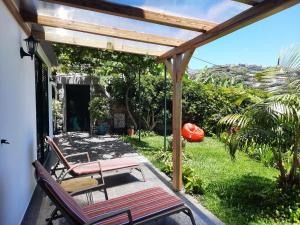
119 73
206 104
273 123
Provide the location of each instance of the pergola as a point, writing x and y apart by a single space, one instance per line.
146 30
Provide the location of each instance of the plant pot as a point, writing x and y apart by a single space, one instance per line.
130 131
102 129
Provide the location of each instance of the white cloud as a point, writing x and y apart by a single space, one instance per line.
224 10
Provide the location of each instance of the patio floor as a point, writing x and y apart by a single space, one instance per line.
118 184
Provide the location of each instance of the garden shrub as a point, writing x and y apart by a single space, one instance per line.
99 108
147 133
56 109
170 143
206 104
192 183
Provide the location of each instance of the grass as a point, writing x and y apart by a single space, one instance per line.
236 191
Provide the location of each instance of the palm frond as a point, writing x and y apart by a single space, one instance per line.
289 58
237 120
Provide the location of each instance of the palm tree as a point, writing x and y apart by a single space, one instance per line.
274 123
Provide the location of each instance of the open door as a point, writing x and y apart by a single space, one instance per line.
42 107
78 115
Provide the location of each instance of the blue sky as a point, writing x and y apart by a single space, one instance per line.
259 43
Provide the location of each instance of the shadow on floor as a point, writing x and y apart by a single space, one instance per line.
118 184
99 147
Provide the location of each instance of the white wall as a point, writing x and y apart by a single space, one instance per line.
17 122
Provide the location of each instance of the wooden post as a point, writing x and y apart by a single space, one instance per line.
176 123
177 69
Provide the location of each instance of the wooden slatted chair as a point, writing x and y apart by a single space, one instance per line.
136 208
90 168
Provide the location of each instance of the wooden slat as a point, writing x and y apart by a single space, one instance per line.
15 13
76 40
252 15
138 14
100 30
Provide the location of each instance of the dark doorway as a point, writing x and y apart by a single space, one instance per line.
42 107
78 115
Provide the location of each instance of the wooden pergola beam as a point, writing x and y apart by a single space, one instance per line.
252 15
93 43
249 2
99 29
16 14
138 14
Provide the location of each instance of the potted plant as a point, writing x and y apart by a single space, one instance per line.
56 114
99 109
130 130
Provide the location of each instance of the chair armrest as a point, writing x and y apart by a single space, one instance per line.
78 154
75 166
110 215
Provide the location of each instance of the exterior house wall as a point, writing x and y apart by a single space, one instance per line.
17 121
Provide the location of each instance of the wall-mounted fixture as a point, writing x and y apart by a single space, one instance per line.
4 141
31 44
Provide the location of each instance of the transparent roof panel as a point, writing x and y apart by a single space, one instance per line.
216 11
102 42
81 15
210 10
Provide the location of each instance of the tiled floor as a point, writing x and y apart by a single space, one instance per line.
118 184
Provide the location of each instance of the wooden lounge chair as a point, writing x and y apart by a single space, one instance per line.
136 208
90 168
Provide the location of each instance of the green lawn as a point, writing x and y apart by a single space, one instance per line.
235 191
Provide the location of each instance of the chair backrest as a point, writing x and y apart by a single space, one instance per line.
63 201
58 152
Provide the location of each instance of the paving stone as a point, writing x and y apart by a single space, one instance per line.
118 183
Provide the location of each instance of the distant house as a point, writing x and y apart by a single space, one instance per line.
75 91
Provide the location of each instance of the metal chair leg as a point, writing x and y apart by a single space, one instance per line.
54 216
105 193
53 170
142 172
190 214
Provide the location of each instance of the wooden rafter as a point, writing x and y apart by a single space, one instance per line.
99 30
138 14
101 44
252 15
249 2
16 14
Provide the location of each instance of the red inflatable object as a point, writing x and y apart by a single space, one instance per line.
192 133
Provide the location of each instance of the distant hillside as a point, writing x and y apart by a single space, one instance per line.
250 75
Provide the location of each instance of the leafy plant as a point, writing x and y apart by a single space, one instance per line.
207 104
192 183
57 109
170 143
99 108
146 133
273 124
